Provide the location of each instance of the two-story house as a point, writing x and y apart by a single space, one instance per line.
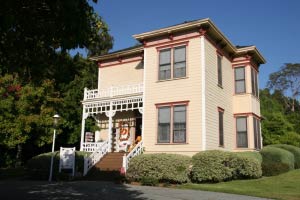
185 89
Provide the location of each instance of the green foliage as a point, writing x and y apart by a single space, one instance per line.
276 161
280 125
250 154
169 168
150 181
211 166
39 166
217 166
294 150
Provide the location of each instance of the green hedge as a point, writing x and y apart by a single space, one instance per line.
250 154
276 161
294 150
168 168
217 166
38 167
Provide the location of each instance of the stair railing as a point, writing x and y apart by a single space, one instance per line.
90 161
137 150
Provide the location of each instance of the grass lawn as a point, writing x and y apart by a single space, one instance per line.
285 186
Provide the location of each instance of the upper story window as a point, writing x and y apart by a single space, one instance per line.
219 70
254 82
172 63
239 78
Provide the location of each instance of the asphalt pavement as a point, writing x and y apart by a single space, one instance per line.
98 190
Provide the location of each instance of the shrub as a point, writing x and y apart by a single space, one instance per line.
211 166
217 166
39 166
250 154
162 167
294 150
276 161
150 181
244 167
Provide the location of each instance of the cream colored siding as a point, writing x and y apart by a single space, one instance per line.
183 89
218 97
122 74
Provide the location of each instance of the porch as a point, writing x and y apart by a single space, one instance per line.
118 112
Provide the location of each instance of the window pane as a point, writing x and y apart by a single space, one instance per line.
239 73
179 70
179 54
165 56
256 84
241 124
242 139
258 135
164 124
253 81
179 127
255 132
240 86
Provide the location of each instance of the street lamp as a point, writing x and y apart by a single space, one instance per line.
55 122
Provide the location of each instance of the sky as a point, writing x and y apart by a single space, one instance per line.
273 26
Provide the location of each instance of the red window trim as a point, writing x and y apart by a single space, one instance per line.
173 45
172 103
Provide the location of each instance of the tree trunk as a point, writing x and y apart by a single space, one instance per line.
19 156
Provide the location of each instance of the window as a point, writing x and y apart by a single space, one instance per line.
164 119
221 128
175 69
172 119
257 136
165 64
219 70
241 131
254 82
239 77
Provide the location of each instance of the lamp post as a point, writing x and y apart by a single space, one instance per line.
55 122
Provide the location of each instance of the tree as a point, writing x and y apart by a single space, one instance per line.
287 81
33 31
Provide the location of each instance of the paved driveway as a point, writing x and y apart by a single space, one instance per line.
96 190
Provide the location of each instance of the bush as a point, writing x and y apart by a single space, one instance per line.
217 166
39 166
276 161
250 154
294 150
244 167
211 166
150 181
168 168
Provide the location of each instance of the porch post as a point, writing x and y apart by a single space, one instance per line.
110 115
84 116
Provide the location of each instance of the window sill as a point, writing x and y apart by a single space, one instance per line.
171 79
171 143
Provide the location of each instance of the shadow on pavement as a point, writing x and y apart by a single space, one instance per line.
80 190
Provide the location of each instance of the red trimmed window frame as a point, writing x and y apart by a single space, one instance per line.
221 126
171 105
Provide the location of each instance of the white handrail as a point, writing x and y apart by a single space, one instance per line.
113 91
90 161
137 150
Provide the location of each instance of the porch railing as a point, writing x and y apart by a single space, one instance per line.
137 150
90 161
113 91
91 146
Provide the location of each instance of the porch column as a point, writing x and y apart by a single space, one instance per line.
84 116
110 115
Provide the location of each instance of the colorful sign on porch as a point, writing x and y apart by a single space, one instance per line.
124 131
67 159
